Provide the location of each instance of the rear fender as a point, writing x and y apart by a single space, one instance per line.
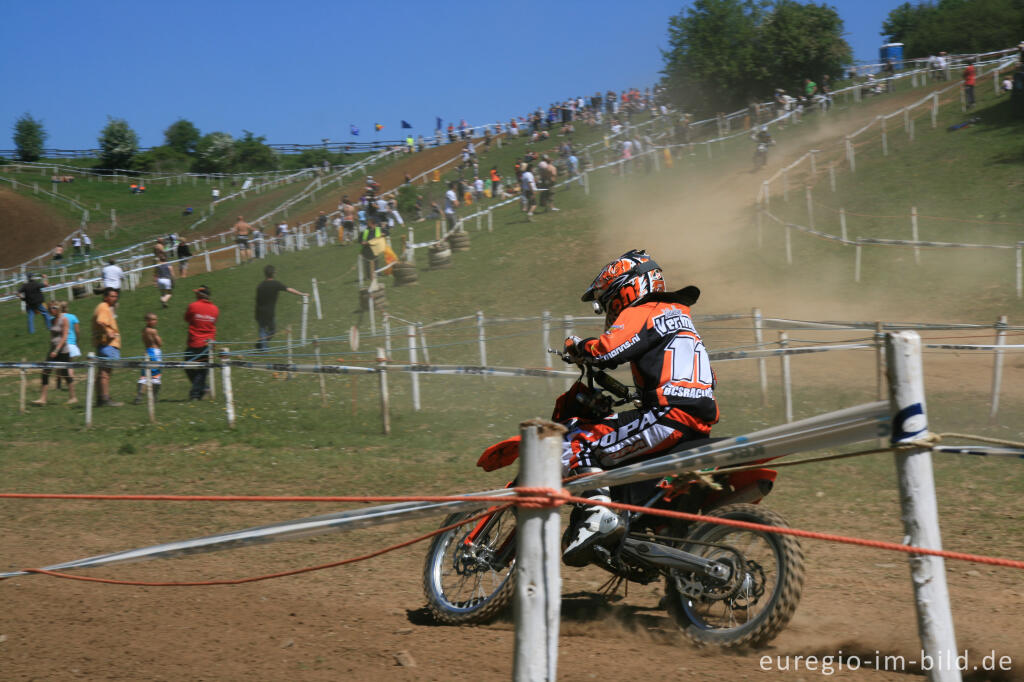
748 486
500 454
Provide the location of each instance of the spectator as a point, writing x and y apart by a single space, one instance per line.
528 188
187 212
546 185
73 331
112 275
321 223
374 241
106 338
243 232
942 63
283 238
495 183
184 253
76 244
451 202
201 316
59 329
266 303
31 292
478 189
970 78
160 249
86 244
164 279
348 220
58 254
153 344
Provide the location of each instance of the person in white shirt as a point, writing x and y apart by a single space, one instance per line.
112 274
528 185
451 201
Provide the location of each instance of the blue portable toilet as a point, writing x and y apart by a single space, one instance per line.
894 53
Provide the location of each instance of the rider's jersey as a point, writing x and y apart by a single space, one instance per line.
670 365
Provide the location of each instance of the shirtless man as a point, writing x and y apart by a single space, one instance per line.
348 220
243 231
154 353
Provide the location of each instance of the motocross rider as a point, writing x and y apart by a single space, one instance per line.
651 329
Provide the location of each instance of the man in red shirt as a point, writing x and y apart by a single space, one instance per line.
970 78
201 316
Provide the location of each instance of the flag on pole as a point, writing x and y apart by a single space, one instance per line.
353 130
378 127
438 126
406 124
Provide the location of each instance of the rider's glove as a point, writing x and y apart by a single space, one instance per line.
573 347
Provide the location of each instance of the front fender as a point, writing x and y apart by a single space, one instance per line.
500 454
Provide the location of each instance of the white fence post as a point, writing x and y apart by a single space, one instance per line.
762 367
789 246
832 178
842 224
229 396
385 409
323 380
481 335
90 388
538 584
316 301
997 367
935 109
787 386
885 137
913 232
851 155
305 319
22 388
423 342
856 263
919 507
415 376
150 398
1020 271
206 257
810 206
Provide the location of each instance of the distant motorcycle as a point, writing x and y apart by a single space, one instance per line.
763 140
725 586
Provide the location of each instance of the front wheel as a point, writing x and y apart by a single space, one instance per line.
469 573
758 598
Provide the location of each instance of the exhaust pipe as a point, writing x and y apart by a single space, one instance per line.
747 495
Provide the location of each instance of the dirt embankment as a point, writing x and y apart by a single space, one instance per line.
28 228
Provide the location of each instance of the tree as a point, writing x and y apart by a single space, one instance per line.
802 41
29 137
722 53
182 136
214 153
118 144
955 26
252 153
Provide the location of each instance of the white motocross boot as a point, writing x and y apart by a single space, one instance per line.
600 526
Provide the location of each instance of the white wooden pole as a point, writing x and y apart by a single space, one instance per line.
229 396
320 375
385 410
914 234
856 263
423 342
919 507
762 363
997 367
832 178
851 155
842 224
785 185
316 301
767 195
1020 271
787 387
211 373
885 137
90 388
935 109
538 583
387 334
305 319
490 220
206 257
879 360
415 376
371 308
150 398
22 388
789 246
481 335
810 206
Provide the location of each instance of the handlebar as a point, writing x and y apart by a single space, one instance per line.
603 379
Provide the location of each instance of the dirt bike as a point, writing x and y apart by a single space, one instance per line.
761 154
724 585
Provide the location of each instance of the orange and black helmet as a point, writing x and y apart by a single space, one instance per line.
623 282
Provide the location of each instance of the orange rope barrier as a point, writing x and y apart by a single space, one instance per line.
531 497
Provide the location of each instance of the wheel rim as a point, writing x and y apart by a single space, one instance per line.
467 575
749 593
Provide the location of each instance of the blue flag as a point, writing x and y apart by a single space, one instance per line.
353 130
406 124
438 127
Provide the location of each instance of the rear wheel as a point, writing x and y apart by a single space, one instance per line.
757 600
469 573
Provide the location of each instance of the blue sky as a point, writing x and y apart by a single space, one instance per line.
300 72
